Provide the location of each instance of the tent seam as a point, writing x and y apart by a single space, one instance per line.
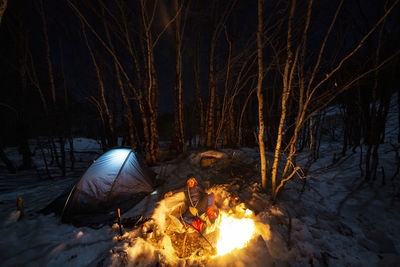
119 172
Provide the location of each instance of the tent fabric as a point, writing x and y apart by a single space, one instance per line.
117 179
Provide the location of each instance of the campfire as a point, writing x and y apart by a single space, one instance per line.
234 233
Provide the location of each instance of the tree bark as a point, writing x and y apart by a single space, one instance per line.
129 114
284 98
260 97
179 129
199 98
3 7
211 99
48 57
110 135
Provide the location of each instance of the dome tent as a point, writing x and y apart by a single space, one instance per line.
117 179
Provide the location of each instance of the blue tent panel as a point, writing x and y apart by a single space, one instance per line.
114 178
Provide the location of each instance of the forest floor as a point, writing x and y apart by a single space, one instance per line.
329 218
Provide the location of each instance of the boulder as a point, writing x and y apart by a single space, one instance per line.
207 161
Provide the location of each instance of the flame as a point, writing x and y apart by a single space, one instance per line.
234 233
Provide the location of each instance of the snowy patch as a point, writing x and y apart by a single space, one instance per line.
196 158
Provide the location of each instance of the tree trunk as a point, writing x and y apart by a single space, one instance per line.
9 165
110 129
61 140
22 124
48 57
3 7
179 130
199 98
129 114
285 95
260 98
211 99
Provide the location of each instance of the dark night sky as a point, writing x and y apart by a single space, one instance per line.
22 21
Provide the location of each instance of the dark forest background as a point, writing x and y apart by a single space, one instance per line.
147 71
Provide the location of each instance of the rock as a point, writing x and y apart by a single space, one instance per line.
195 159
207 161
256 205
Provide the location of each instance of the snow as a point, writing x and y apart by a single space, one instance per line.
196 157
336 219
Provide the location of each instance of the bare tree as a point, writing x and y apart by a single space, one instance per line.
311 102
102 103
124 95
179 33
218 27
48 57
260 97
199 98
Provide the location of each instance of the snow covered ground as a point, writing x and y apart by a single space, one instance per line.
333 219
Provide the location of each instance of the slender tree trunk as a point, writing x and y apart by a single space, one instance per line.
71 151
68 121
22 124
48 57
129 114
61 140
239 138
373 137
150 94
3 7
103 99
285 95
211 99
153 109
179 130
199 97
9 165
260 98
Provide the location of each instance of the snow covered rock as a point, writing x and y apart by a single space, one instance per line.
207 162
207 158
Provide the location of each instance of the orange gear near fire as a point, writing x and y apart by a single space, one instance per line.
198 203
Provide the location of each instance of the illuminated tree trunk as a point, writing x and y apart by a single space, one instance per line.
152 99
285 96
150 88
260 97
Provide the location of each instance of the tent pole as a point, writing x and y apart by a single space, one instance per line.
66 202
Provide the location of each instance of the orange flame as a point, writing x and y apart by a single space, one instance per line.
234 233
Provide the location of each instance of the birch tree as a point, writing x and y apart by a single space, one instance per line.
260 96
313 99
178 114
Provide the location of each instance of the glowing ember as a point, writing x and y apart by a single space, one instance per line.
234 233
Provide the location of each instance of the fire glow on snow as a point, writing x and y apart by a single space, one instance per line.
234 233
